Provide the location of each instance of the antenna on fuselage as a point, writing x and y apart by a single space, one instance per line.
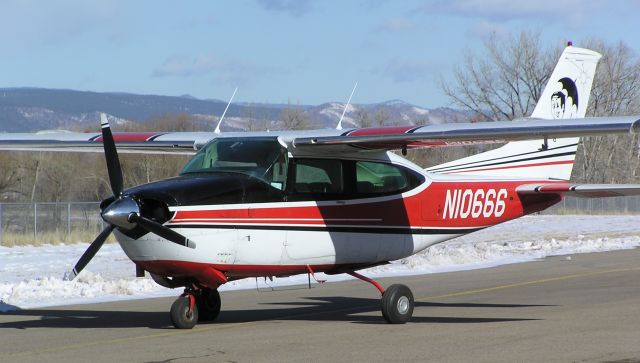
339 126
217 130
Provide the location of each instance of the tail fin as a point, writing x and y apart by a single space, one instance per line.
565 96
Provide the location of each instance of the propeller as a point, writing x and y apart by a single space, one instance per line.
160 230
89 253
124 211
111 155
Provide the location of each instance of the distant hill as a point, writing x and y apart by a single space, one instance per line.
33 109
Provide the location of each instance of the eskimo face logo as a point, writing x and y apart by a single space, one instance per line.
564 102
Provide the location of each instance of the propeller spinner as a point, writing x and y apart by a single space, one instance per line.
124 211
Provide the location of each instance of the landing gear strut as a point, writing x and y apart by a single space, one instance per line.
396 303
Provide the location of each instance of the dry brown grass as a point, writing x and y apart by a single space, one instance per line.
21 239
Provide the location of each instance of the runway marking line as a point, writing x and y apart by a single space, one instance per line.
201 329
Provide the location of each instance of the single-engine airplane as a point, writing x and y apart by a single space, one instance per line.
334 201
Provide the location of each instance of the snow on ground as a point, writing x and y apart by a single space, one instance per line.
32 276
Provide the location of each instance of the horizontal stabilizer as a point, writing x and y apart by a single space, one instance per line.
582 190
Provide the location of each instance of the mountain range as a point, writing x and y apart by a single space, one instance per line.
34 109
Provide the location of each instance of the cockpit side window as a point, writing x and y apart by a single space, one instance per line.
261 158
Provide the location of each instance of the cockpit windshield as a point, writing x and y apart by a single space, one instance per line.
263 158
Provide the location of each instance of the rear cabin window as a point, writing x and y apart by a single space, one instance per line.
378 178
331 179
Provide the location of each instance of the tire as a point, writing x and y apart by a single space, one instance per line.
397 304
180 316
208 302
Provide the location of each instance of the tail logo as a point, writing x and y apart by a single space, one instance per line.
564 102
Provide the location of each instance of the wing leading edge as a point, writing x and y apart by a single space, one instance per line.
472 133
380 138
164 142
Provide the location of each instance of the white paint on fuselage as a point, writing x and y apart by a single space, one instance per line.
279 247
222 246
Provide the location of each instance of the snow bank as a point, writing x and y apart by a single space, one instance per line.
32 276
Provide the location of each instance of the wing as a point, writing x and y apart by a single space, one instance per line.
380 138
143 142
582 190
471 133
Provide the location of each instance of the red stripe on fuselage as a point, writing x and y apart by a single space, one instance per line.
130 136
188 268
391 130
423 210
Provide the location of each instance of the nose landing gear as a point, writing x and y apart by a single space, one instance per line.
195 305
184 311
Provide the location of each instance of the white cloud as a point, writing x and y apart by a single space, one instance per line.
401 71
504 10
291 7
227 71
574 15
183 66
484 28
29 23
396 25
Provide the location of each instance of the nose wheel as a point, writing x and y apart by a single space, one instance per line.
195 305
184 311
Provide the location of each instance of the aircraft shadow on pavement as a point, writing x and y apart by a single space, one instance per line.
340 308
51 318
332 308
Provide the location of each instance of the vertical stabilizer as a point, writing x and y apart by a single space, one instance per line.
567 93
565 96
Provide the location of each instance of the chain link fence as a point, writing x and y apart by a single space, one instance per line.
615 205
36 223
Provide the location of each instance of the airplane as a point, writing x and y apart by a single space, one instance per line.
262 204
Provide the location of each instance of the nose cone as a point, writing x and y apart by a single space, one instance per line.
117 213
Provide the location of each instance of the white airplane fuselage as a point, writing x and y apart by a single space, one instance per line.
290 237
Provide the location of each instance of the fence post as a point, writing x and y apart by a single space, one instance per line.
35 222
68 221
1 224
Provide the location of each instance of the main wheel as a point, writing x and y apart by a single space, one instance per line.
208 302
397 304
181 316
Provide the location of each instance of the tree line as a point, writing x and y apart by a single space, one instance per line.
505 80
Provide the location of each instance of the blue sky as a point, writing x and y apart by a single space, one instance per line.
278 50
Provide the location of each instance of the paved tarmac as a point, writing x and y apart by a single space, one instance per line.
583 309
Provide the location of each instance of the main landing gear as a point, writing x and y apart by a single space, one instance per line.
203 304
396 303
195 305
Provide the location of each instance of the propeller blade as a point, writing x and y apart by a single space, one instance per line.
111 155
89 253
162 231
